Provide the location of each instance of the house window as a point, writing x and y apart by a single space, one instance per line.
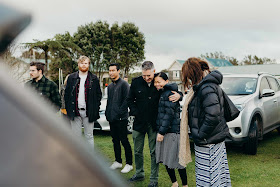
176 74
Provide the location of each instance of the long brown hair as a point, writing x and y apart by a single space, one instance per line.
192 71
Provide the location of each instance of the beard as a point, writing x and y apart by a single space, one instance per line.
83 69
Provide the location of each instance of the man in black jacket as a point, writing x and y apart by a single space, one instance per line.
143 102
117 114
82 99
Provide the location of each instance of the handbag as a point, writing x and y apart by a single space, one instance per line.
230 110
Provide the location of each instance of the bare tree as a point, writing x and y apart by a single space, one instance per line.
18 68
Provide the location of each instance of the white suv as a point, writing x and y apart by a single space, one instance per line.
257 96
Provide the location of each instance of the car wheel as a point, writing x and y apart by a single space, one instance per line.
251 146
278 129
130 124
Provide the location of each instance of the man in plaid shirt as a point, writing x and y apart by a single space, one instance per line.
45 87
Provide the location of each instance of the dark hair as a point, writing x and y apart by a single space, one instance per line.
192 71
148 65
162 75
115 64
39 66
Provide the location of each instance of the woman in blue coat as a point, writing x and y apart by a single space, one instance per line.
168 128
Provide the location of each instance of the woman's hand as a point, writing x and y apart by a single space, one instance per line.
174 97
160 137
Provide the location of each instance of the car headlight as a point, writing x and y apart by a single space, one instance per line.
240 107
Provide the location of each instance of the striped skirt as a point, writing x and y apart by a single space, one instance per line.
167 151
211 165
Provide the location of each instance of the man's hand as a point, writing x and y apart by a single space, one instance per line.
175 97
160 137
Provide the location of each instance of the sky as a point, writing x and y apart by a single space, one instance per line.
176 29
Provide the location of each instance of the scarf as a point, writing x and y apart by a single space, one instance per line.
184 149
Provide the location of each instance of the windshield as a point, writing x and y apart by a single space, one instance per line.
239 85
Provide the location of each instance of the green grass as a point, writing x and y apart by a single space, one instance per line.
260 170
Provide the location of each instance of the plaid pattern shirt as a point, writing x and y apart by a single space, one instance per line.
77 94
47 89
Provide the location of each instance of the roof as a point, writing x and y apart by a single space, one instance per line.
242 75
219 62
181 61
273 69
214 62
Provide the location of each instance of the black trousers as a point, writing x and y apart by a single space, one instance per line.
182 173
119 135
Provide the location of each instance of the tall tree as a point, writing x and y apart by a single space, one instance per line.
48 46
129 43
64 60
94 39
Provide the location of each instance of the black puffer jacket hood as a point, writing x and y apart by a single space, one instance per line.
168 120
171 87
206 119
215 77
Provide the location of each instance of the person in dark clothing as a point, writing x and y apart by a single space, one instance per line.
143 101
45 87
82 99
117 115
168 128
205 111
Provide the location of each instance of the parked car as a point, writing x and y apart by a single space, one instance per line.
257 97
103 124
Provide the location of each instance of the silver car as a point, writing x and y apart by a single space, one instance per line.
257 97
103 124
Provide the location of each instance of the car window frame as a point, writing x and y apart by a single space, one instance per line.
260 90
270 83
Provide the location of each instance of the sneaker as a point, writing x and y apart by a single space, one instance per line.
116 165
135 178
153 184
127 168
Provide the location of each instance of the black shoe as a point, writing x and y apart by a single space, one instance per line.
153 184
135 178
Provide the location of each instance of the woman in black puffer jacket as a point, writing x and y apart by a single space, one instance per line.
205 111
168 128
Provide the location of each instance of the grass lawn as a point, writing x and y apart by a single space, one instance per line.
261 170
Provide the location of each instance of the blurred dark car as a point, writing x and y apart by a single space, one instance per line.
37 148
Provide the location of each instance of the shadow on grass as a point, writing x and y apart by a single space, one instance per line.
262 144
101 133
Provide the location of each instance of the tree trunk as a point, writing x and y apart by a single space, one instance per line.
46 62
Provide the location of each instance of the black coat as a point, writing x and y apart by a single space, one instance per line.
206 113
168 120
117 108
143 104
94 96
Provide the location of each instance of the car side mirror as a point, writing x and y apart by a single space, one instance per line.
268 93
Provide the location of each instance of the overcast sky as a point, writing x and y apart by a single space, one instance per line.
176 29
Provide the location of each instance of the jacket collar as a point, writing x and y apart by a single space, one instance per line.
43 79
116 82
91 76
144 82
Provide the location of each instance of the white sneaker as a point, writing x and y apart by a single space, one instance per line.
127 168
116 165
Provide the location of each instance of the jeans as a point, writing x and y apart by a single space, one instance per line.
76 126
138 140
118 131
